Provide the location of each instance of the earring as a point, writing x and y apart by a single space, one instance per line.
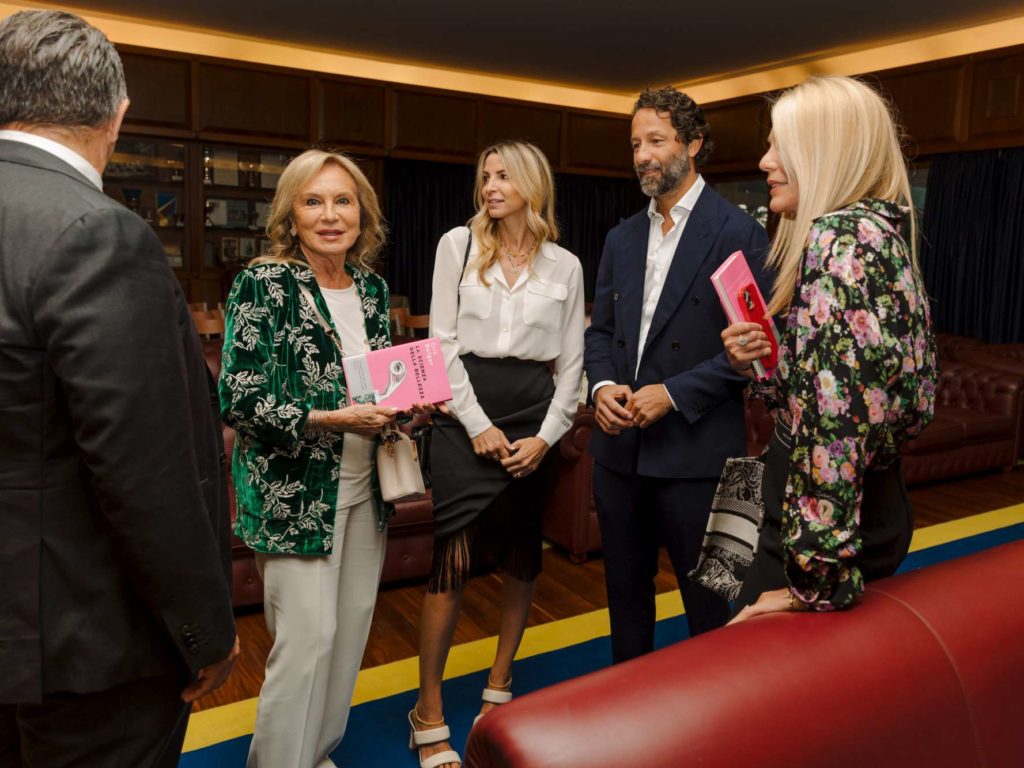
293 231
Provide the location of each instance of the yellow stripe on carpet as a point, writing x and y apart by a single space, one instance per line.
233 720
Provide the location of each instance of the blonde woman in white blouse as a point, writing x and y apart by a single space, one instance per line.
508 307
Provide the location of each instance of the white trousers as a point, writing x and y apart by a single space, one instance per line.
318 611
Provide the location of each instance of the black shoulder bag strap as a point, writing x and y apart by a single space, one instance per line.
462 274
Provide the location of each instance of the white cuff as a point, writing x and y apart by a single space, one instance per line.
474 421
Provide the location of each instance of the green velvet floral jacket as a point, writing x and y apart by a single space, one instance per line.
278 365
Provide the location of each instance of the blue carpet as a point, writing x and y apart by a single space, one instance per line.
378 732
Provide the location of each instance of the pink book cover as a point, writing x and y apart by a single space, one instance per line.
399 376
743 303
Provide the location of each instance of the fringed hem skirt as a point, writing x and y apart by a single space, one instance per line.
482 515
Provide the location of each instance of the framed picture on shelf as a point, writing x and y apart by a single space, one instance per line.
262 214
247 248
225 167
237 214
271 166
229 250
174 256
132 160
263 245
217 211
166 207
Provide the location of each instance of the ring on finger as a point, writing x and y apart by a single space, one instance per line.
742 341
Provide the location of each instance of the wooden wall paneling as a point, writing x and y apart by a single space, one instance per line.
930 102
997 99
540 126
254 102
350 114
598 143
432 125
159 89
739 130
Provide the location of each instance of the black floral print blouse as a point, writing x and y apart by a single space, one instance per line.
856 379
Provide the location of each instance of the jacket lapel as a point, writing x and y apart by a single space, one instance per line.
694 246
629 283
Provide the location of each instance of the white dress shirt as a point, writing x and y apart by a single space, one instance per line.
540 317
60 151
661 250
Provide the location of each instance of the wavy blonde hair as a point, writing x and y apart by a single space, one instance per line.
837 139
530 174
284 246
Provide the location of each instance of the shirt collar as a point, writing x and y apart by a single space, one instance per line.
60 151
686 202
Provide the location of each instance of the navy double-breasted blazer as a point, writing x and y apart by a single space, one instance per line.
683 350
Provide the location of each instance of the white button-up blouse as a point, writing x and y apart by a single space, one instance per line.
540 317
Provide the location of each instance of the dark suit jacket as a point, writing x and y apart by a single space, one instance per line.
114 559
684 349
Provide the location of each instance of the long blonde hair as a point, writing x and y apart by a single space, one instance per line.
284 246
838 141
530 173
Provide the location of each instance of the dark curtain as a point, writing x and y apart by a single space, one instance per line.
588 206
423 200
972 250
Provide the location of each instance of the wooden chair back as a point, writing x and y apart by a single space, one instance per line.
208 322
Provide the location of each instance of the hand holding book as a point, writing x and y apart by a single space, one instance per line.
751 341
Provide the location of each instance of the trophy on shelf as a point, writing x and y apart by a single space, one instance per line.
132 198
207 166
209 207
176 174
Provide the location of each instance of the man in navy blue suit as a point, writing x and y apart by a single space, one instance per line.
668 404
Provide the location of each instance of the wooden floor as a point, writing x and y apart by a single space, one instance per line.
565 589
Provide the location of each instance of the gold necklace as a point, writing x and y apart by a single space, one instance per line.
523 257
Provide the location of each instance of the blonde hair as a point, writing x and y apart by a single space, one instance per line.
530 174
284 246
837 140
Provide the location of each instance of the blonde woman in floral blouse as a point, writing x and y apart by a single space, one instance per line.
308 499
857 373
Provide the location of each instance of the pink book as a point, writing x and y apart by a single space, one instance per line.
743 303
399 376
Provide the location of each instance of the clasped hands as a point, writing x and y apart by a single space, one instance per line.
618 407
519 458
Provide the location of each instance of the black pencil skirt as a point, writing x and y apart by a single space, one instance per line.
886 524
482 515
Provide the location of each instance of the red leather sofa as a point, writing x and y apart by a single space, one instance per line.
926 671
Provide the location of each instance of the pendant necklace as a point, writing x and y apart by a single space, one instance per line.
517 259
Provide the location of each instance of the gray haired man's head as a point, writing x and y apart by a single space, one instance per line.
57 70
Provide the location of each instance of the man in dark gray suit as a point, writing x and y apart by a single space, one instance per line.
115 608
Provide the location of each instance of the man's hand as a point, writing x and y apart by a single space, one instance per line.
650 403
212 677
492 444
611 408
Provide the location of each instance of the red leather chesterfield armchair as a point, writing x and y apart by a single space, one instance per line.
926 671
976 425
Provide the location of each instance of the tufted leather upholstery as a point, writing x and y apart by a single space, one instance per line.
570 518
1003 357
977 421
924 671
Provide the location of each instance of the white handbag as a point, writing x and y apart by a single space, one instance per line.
398 466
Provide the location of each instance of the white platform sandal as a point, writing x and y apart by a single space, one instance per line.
428 736
495 696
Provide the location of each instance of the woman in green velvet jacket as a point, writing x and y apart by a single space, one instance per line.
308 499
